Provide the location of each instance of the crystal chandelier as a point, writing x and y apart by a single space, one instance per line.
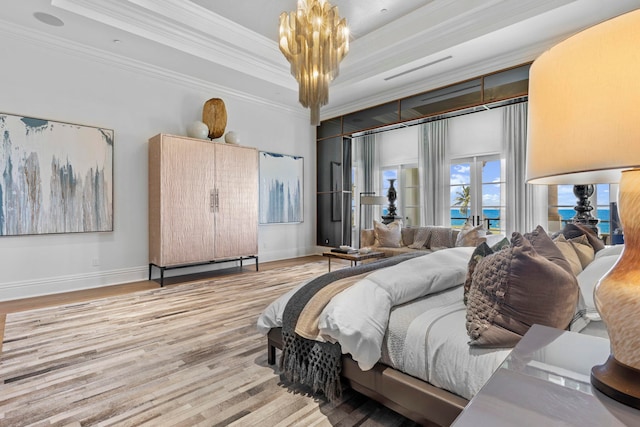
314 40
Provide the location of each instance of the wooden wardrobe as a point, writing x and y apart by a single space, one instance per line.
203 202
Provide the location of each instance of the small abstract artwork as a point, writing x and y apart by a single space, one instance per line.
55 177
281 184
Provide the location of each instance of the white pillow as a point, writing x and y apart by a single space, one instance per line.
470 235
388 235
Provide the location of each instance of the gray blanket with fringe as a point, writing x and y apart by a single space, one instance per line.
313 363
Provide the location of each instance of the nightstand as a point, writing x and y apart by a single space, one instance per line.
545 382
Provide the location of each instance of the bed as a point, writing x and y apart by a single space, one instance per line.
403 329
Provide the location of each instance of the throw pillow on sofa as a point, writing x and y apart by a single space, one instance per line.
388 235
471 235
441 237
526 283
421 238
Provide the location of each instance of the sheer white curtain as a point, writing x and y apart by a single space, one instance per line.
368 160
433 169
521 213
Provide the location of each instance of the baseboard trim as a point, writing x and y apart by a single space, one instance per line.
55 285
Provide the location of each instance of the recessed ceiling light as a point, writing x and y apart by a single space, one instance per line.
116 41
48 19
383 10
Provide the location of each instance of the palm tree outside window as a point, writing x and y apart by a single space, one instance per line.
477 192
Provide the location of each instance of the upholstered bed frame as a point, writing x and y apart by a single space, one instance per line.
409 396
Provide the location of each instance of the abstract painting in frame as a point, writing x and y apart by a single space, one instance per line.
55 177
281 188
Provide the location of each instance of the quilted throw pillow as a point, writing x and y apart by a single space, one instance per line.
526 283
481 251
388 235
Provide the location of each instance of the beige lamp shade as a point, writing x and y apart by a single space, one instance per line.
584 106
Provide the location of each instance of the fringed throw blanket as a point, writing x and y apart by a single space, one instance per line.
315 363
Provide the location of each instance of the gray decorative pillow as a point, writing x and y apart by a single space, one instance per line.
441 237
388 235
529 282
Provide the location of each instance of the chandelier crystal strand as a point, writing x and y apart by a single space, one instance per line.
314 40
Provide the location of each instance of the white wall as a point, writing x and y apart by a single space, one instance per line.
51 82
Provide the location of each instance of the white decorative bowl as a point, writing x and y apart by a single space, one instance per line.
231 138
198 129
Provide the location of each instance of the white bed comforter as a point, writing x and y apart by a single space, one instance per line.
357 318
428 339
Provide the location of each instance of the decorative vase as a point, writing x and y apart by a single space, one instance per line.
214 115
231 137
617 298
392 195
197 129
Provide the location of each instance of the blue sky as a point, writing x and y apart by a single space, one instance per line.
566 196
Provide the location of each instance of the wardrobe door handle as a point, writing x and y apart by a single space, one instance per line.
217 200
212 201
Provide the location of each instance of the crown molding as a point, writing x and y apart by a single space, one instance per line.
78 50
190 28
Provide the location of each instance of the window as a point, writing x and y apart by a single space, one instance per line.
477 192
562 200
602 204
410 195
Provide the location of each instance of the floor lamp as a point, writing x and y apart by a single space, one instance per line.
583 128
368 199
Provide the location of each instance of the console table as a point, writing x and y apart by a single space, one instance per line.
545 381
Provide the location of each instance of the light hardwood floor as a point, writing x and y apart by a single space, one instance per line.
33 303
187 354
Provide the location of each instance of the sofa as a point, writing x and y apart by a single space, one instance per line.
394 239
